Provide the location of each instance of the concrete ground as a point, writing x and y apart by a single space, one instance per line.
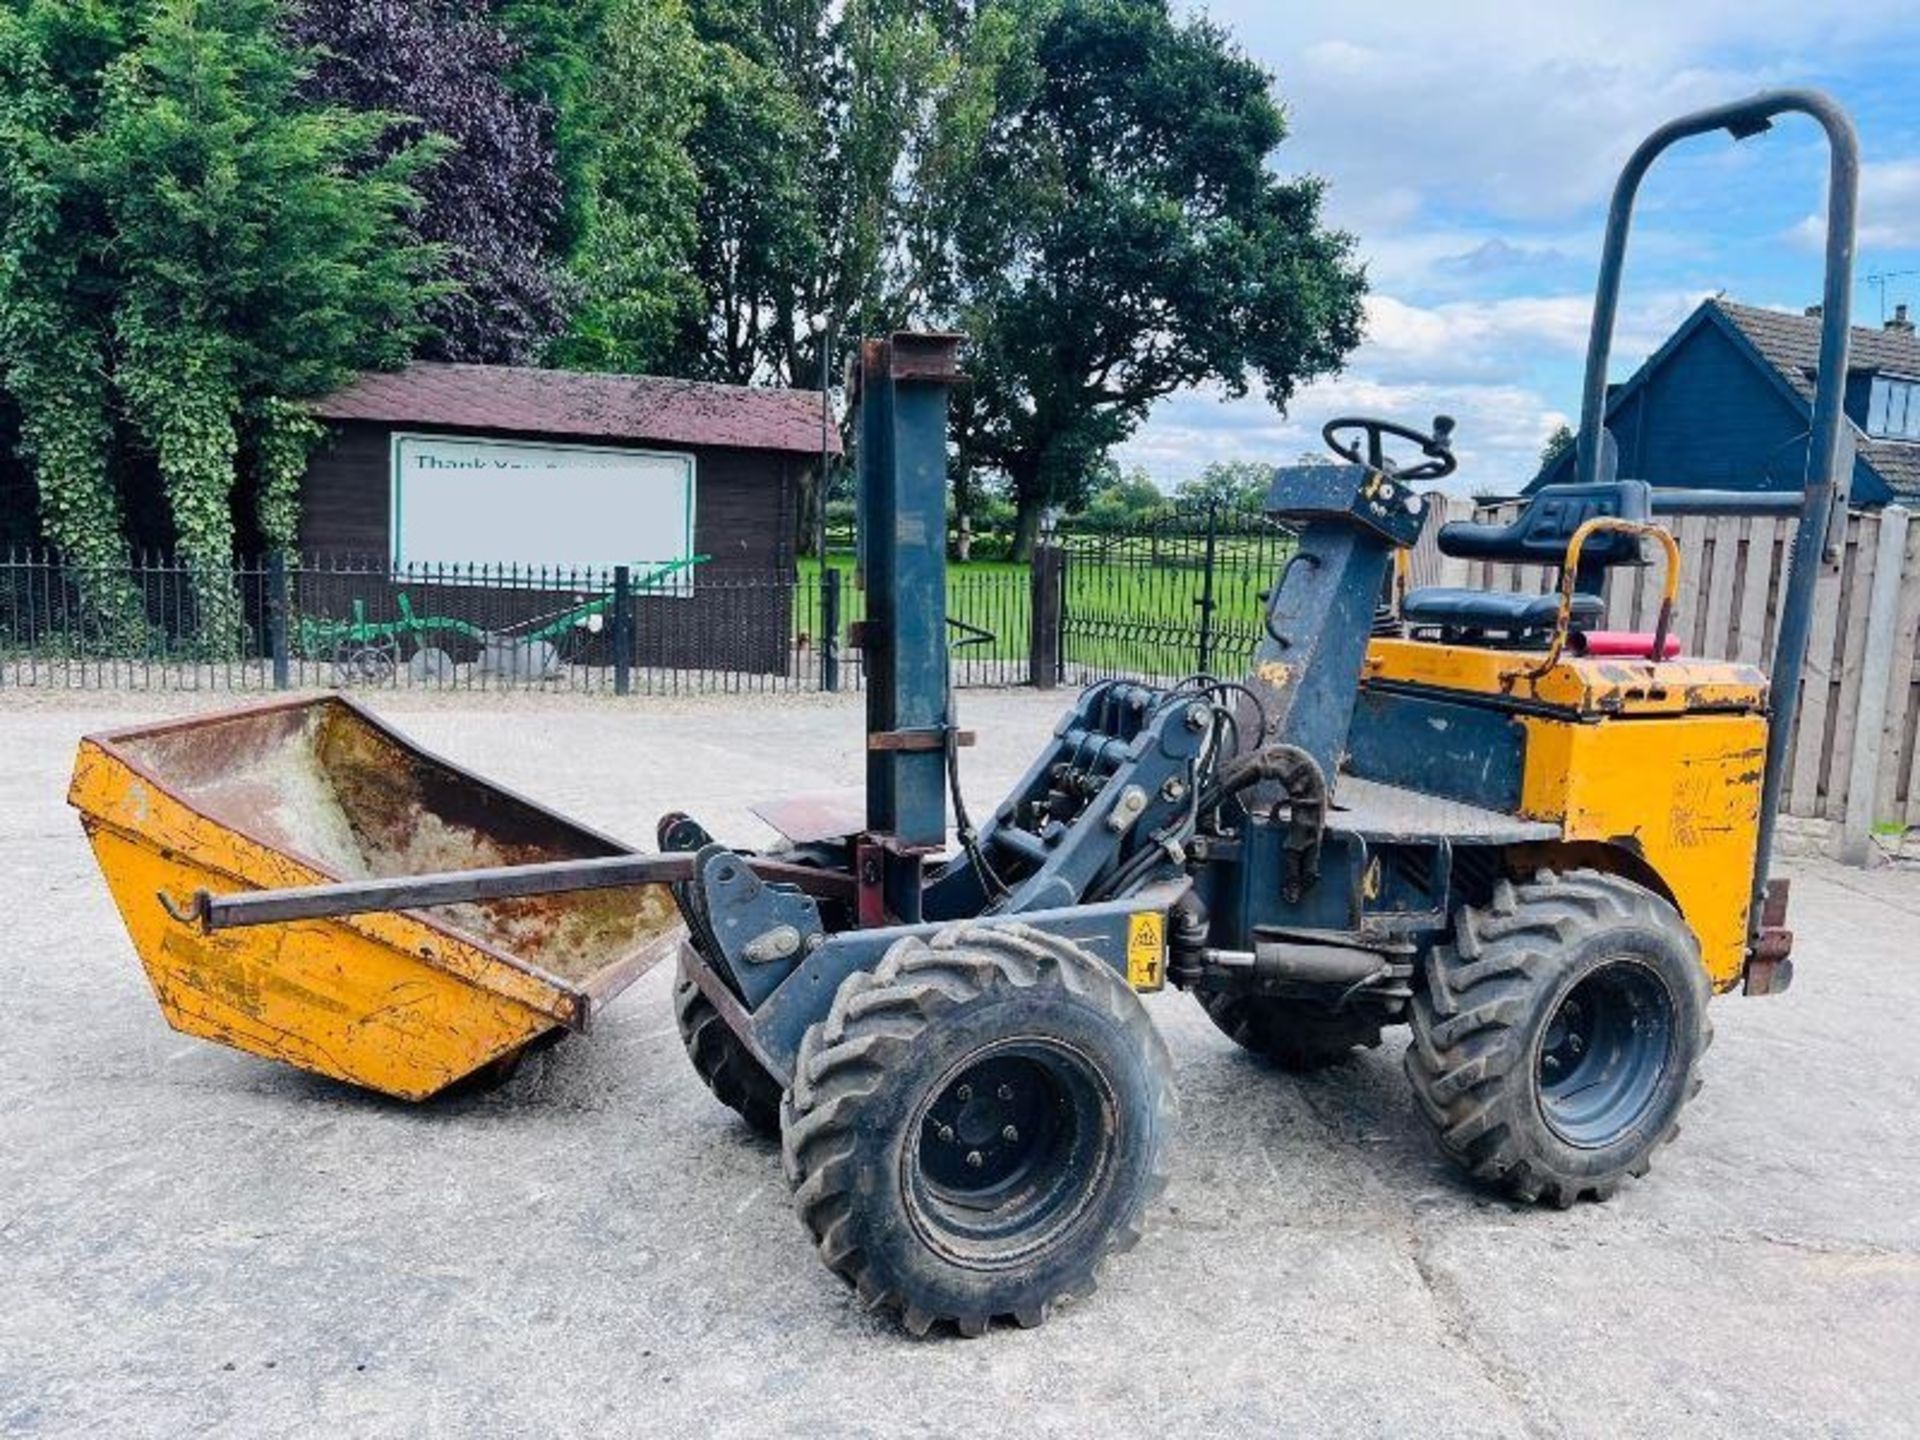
193 1241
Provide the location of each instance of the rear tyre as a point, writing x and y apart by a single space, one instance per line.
976 1125
1557 1038
502 1070
736 1079
1295 1035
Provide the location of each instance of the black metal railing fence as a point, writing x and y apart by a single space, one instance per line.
355 622
1181 594
1159 600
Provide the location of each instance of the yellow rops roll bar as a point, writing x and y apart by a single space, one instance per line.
1570 574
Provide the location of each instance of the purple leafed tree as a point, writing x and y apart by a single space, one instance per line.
494 201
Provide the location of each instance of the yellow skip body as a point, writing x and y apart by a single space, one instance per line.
312 791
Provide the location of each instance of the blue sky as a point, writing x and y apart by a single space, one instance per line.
1470 146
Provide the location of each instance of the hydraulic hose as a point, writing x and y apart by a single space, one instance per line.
1296 772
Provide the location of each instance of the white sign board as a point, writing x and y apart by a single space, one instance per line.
464 501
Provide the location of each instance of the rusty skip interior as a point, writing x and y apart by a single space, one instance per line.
326 784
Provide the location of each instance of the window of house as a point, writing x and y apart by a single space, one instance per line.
1893 408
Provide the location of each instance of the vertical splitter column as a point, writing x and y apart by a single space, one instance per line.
902 477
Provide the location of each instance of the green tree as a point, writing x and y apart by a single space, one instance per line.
904 64
1229 484
563 49
755 151
636 217
812 116
54 326
187 247
1117 234
817 121
1558 444
494 201
1125 498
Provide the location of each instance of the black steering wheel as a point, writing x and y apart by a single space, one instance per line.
1437 447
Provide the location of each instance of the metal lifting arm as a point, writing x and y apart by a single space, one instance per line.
1825 487
459 887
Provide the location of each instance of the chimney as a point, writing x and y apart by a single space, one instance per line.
1900 324
1813 312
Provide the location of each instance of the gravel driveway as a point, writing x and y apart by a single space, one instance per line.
194 1241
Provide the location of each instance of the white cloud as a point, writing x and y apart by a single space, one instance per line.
1467 338
1500 428
1472 147
1889 209
1473 360
1635 34
1527 108
1473 144
1529 142
1483 339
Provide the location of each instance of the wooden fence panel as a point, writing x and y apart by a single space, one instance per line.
1425 564
1806 781
1892 790
1856 585
1895 798
1762 554
1695 561
1733 577
1623 591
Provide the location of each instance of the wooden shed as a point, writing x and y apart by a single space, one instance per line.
442 465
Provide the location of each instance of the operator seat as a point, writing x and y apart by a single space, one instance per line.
1538 535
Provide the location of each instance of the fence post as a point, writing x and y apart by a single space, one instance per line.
1206 601
1045 616
1876 674
622 629
277 617
829 625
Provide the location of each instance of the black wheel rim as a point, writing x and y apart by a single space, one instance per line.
1604 1053
1010 1152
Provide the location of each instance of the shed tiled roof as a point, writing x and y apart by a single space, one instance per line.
570 402
1791 344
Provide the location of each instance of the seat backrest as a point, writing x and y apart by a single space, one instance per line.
1538 535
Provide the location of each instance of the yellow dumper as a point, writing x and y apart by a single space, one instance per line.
313 792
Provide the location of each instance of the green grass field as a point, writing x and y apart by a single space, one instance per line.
1126 612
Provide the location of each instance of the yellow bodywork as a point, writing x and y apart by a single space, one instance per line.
1642 764
1595 686
406 1003
1681 794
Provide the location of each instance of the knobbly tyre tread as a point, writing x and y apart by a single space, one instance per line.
736 1079
1463 1060
1291 1034
874 1021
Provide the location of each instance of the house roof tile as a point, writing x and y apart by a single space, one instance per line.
1792 342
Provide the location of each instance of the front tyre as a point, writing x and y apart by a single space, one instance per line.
976 1125
1557 1038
